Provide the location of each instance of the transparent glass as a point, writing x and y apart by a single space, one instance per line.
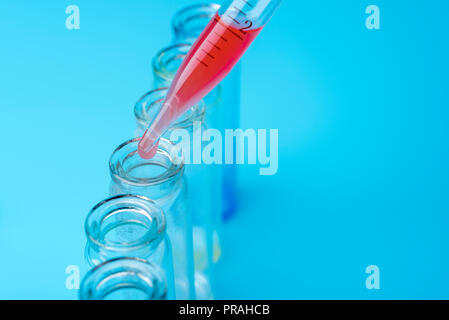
129 226
254 13
165 65
187 25
190 21
148 106
203 183
160 179
124 279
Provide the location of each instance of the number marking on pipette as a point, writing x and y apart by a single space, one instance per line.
244 29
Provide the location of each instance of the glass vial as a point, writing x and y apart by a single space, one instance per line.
160 179
129 226
124 279
201 178
187 24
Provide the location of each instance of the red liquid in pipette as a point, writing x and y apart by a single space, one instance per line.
218 48
213 55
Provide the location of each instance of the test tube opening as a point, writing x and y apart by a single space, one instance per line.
125 222
124 225
168 60
189 22
148 106
124 279
127 167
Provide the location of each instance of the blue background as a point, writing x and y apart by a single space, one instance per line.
363 156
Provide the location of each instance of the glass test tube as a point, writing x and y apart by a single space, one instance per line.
187 24
129 226
204 194
161 179
124 279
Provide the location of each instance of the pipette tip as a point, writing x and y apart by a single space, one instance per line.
148 153
147 148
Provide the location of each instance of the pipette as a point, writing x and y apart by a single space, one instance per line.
216 51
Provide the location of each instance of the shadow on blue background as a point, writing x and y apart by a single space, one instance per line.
363 160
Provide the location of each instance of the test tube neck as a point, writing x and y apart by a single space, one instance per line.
124 225
124 279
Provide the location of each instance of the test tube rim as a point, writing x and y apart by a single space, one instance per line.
177 20
198 112
132 262
157 64
156 209
176 169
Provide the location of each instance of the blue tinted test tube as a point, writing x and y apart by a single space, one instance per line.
124 279
129 226
160 179
187 24
204 197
